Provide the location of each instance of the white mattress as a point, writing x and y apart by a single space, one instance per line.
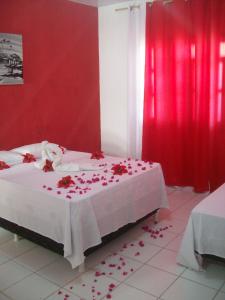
80 222
205 232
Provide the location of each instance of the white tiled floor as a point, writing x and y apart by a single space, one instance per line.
135 266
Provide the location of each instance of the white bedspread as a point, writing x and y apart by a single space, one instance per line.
205 232
79 216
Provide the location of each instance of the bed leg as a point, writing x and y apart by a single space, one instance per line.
81 268
15 237
156 219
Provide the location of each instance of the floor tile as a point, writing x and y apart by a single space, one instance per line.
5 236
97 256
4 297
191 204
63 294
170 189
14 249
164 213
117 266
178 199
220 296
171 223
181 214
175 243
184 289
11 272
213 276
163 228
31 288
182 195
91 285
3 257
37 258
223 288
126 292
139 250
151 280
59 272
166 260
161 242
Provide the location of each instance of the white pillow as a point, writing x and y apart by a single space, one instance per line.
10 157
36 149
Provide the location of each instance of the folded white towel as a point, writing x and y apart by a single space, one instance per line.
67 167
72 167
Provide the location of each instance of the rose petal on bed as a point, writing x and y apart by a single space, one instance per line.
141 244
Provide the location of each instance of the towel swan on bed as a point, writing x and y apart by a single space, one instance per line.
54 154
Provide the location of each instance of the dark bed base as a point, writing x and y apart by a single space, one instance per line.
56 247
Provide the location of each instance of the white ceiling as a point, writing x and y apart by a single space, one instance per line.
98 3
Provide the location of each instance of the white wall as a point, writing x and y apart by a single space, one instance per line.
113 43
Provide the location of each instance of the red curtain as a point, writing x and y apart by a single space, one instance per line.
184 109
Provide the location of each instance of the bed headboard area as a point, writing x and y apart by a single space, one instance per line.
59 100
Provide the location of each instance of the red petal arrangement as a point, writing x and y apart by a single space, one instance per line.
65 182
97 155
86 182
48 166
3 165
28 158
119 169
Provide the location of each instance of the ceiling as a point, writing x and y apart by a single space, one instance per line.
98 3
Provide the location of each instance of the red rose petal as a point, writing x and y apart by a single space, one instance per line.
141 244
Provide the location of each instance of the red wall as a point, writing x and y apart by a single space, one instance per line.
59 100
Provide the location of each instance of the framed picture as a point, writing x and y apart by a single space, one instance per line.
11 59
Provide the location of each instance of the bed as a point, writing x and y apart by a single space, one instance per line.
97 204
205 231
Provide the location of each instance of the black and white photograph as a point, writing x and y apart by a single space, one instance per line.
11 59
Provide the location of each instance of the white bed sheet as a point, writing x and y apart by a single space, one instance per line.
205 231
28 197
